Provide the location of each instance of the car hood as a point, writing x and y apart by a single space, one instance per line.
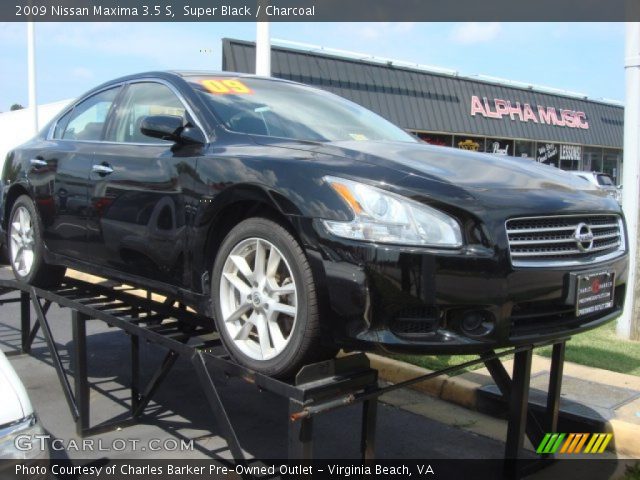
13 396
470 170
474 180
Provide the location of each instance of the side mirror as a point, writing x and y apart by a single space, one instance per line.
192 136
170 127
165 127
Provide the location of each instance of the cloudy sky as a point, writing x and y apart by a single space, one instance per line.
73 57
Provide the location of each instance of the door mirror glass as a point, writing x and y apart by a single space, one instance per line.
164 127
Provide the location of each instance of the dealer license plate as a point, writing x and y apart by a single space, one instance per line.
595 292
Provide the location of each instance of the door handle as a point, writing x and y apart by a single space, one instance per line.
102 169
37 162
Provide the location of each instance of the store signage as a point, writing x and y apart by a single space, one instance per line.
498 108
469 145
570 152
547 152
498 149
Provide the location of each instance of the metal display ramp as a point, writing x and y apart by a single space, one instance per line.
316 389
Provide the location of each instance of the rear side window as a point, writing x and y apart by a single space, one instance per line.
87 119
141 100
61 124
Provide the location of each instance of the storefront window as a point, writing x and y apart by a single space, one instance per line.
474 144
592 159
548 153
499 146
611 164
524 149
570 157
436 139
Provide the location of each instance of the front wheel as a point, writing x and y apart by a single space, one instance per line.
264 300
26 248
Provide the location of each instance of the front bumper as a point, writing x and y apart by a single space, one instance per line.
406 300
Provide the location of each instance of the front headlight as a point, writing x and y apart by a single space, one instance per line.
17 440
383 217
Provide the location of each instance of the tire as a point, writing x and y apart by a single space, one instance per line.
26 248
4 254
267 317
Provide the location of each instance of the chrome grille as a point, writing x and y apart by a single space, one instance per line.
564 239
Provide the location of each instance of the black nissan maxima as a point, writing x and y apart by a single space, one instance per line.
300 222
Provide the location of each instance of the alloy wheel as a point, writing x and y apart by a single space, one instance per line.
22 242
258 299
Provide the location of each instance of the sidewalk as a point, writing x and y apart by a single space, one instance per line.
608 401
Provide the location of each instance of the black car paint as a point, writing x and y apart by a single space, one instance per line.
157 219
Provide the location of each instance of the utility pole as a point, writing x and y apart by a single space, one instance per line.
629 323
263 41
263 48
31 75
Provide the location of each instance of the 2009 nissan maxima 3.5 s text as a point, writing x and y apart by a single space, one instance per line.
300 222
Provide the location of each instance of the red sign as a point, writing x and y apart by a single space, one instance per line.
498 108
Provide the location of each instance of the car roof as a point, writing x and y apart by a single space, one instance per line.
185 74
182 74
166 75
206 73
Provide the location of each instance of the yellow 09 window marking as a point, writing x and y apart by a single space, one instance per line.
225 86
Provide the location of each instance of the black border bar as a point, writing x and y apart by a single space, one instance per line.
320 10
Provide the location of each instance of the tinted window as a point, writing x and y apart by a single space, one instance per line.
88 117
141 100
266 107
61 125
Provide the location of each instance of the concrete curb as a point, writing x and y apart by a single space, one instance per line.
452 389
464 392
625 438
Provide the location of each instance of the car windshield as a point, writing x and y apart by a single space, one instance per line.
279 109
605 180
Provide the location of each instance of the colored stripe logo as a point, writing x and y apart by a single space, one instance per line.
574 443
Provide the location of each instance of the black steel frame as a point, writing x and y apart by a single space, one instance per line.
180 331
317 388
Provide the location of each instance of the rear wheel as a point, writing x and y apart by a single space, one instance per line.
26 248
265 301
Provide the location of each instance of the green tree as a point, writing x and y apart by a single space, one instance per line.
16 106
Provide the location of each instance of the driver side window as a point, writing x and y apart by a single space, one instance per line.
142 100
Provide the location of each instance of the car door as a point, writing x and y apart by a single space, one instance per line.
59 173
138 184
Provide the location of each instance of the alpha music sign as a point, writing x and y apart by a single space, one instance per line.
499 109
